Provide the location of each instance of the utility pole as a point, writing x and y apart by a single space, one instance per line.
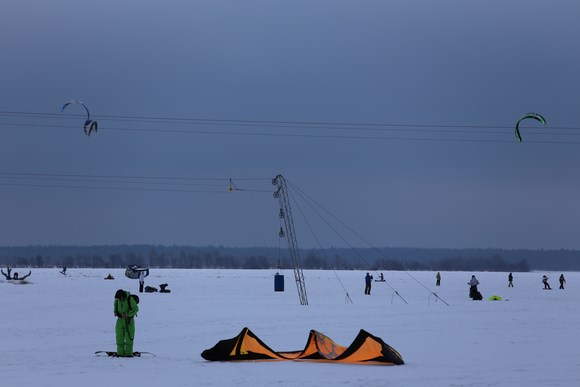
286 214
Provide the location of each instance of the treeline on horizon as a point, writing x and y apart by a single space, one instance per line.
212 257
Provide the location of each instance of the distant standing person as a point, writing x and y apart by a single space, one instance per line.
473 287
141 281
510 281
438 278
545 279
562 281
368 282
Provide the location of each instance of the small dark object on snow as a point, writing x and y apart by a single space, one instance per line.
150 289
163 290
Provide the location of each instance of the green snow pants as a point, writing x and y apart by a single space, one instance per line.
125 333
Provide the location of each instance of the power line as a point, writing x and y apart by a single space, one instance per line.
310 203
112 181
129 176
333 124
415 129
109 188
310 200
123 182
310 136
347 296
394 128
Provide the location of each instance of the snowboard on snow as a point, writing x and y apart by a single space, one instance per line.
114 354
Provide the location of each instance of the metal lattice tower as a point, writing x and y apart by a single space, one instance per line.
286 215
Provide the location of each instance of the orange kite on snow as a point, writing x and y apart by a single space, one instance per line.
365 349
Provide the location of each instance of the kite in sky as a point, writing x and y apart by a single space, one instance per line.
90 125
534 116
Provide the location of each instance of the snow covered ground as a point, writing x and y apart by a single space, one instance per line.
52 326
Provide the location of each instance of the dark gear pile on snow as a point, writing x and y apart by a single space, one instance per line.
150 289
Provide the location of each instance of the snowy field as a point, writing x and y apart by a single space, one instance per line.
52 326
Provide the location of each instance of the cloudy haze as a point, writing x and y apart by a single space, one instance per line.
266 88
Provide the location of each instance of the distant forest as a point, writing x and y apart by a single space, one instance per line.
214 257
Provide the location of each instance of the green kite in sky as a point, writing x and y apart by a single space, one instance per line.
535 116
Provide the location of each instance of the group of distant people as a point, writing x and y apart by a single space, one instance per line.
545 279
474 294
473 282
125 308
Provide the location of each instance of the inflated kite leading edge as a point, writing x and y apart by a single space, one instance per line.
534 116
365 349
90 125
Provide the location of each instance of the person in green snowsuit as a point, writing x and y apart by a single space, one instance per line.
125 326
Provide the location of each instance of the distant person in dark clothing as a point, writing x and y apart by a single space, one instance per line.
545 282
368 282
510 281
473 287
562 281
438 278
141 281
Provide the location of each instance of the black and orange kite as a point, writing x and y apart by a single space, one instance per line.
365 349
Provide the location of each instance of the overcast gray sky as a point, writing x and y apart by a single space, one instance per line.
432 90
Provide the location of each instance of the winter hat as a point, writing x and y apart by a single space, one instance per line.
120 294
